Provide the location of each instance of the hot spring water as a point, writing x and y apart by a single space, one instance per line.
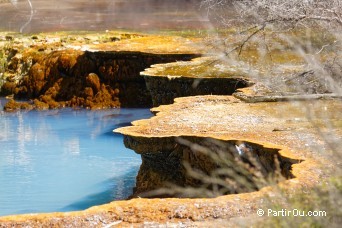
64 160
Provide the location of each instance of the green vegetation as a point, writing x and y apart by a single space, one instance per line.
323 200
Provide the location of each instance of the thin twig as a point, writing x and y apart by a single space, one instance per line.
249 37
30 19
241 45
300 75
324 46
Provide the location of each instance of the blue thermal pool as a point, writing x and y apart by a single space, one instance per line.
65 160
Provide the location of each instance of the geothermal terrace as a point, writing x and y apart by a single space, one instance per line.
196 101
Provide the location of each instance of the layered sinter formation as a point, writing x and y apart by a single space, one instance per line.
250 82
86 75
281 128
201 76
286 139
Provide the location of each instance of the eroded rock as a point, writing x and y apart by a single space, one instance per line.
12 106
228 119
61 75
163 171
201 76
91 80
280 129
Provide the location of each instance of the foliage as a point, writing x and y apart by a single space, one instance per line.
287 13
310 29
325 198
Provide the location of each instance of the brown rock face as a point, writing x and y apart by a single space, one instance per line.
164 90
94 80
8 88
164 158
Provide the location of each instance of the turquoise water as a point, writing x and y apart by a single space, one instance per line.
64 160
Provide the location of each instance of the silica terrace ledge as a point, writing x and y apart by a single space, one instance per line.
282 126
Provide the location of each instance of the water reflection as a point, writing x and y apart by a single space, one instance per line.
72 146
57 158
115 189
56 15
